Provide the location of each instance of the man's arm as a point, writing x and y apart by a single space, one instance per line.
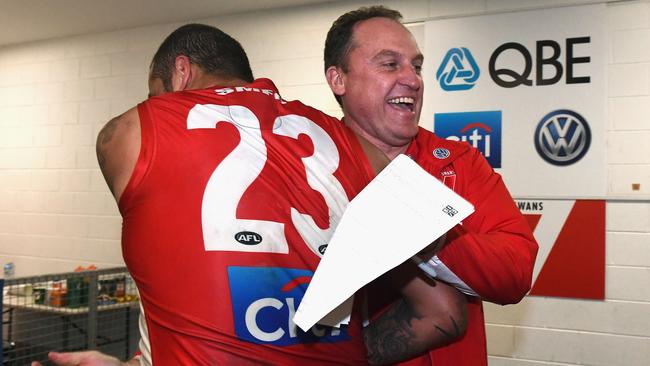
118 147
494 251
428 314
85 358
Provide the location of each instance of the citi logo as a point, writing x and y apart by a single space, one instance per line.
482 130
562 137
248 238
264 301
458 70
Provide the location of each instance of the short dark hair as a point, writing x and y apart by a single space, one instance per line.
339 38
208 47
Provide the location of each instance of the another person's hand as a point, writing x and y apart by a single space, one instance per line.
83 358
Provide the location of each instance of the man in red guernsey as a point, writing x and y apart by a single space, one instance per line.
372 64
229 195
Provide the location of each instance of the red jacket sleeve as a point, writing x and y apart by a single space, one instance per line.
494 250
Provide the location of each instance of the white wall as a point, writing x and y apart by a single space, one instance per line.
56 213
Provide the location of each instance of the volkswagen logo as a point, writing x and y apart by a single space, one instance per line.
562 137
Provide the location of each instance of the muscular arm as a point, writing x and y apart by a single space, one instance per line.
118 146
428 314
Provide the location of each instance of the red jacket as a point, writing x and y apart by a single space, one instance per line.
492 252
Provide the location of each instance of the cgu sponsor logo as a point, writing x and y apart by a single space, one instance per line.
264 301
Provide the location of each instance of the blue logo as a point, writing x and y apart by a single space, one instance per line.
441 153
264 300
482 130
562 137
458 70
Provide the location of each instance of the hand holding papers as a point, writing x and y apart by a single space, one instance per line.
397 215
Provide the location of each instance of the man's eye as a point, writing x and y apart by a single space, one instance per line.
390 64
418 69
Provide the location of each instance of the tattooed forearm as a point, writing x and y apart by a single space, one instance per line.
453 332
390 337
398 334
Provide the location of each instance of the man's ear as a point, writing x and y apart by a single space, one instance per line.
336 80
182 74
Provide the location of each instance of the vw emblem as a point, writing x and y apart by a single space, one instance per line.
562 137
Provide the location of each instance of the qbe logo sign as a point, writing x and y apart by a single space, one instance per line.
482 130
264 301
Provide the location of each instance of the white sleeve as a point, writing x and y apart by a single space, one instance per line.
434 268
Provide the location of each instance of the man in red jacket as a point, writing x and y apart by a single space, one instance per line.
372 65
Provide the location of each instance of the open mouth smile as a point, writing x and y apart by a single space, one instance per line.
406 103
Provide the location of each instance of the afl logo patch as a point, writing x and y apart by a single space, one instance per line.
248 238
441 153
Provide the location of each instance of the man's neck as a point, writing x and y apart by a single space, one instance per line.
203 80
389 150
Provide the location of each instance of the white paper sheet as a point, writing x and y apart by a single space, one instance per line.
399 213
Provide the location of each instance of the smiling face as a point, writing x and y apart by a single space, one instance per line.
382 88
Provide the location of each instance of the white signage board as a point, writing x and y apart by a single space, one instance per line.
528 90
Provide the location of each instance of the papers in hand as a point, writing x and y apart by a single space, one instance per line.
398 214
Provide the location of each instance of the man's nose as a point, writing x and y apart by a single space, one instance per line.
410 77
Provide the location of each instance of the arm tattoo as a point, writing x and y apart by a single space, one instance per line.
104 137
391 339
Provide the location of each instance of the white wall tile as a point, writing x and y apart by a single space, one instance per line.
111 87
631 46
30 202
617 317
34 72
22 158
558 346
60 157
45 180
17 95
628 147
87 157
49 93
131 62
77 135
75 180
631 15
95 67
64 70
445 8
627 80
500 339
16 136
623 178
628 216
628 249
628 283
630 113
78 90
63 113
94 111
102 227
14 179
607 350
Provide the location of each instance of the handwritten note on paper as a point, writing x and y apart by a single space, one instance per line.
398 214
